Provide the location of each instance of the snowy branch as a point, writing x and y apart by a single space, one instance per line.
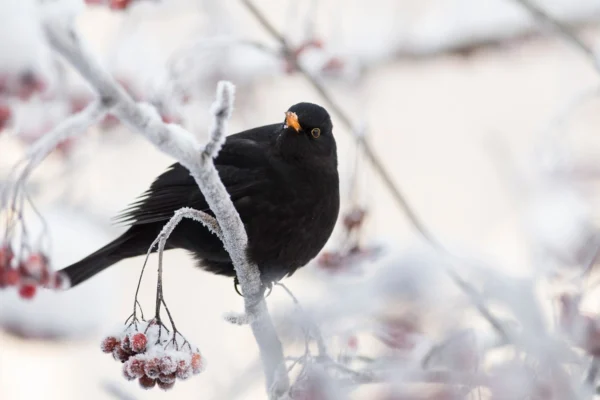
74 125
181 144
199 216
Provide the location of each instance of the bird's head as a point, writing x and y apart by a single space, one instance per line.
307 129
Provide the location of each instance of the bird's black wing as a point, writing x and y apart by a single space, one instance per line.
240 163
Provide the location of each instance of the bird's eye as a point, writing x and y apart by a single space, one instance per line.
316 132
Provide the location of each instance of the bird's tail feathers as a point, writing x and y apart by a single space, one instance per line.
93 264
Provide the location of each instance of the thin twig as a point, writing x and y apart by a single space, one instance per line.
563 30
314 329
592 373
209 222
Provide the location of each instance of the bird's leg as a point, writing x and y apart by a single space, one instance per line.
265 286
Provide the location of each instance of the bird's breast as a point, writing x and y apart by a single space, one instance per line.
291 225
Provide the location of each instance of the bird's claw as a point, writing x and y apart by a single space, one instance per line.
236 285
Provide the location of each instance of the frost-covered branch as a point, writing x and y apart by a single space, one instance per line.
74 125
199 216
181 144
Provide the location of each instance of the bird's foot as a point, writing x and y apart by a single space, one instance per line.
264 287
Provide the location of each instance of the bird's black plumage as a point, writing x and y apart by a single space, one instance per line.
283 181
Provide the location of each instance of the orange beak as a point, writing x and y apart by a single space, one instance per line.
291 120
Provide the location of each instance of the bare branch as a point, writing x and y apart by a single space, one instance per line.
563 30
314 330
74 125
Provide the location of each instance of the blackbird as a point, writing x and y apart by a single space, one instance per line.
283 181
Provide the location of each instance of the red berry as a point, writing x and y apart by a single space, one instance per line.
333 65
152 368
167 119
27 291
165 386
12 277
108 344
353 342
354 219
119 4
6 253
109 122
186 98
136 367
29 83
127 373
167 365
184 370
5 114
36 266
138 342
65 147
167 378
146 382
120 354
196 363
331 261
79 104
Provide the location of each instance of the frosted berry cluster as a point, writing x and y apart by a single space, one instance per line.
153 356
27 273
22 86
